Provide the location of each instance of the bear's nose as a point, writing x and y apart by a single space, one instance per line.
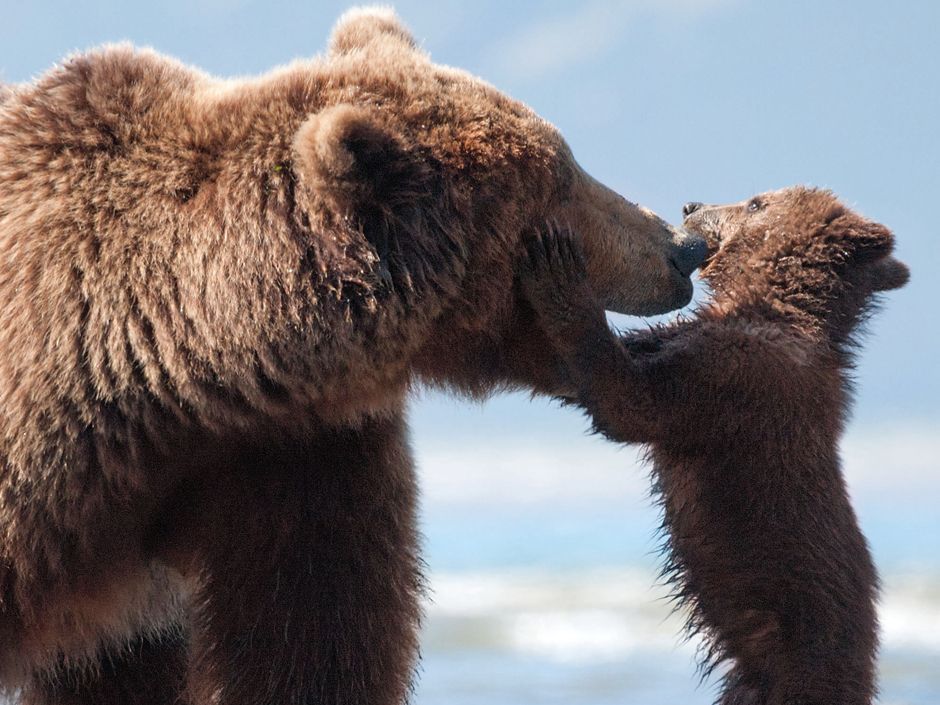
688 256
690 207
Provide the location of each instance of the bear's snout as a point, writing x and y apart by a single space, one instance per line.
690 207
688 255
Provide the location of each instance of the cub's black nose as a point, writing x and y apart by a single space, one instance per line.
688 256
690 207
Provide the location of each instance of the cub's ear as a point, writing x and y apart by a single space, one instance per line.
888 273
863 239
363 27
359 163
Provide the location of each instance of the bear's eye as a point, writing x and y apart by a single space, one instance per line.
754 205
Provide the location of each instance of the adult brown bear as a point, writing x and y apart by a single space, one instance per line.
742 407
216 295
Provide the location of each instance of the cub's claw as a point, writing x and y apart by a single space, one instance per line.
555 281
555 253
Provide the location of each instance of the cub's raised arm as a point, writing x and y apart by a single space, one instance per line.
657 384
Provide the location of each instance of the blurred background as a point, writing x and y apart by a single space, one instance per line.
540 538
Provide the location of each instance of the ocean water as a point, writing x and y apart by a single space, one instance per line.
530 616
543 559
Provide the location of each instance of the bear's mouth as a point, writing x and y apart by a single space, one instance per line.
708 231
684 289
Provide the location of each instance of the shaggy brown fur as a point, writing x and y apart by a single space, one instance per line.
743 407
215 297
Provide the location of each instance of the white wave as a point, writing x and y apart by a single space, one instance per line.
910 612
896 462
529 470
588 616
599 615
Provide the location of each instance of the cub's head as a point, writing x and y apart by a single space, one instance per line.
797 245
443 176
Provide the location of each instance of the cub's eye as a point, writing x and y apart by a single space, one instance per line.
754 205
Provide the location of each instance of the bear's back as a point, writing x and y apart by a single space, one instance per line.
144 208
123 132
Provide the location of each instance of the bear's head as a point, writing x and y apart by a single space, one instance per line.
800 247
444 176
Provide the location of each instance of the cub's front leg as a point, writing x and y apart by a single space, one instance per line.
634 389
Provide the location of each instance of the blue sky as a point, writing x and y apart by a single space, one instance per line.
666 101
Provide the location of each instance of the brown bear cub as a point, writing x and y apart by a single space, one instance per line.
743 406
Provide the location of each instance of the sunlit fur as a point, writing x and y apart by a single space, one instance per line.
216 295
742 407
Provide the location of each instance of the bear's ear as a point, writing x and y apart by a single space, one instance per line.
362 27
863 240
352 158
888 273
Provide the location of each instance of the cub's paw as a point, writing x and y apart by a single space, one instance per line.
553 266
554 280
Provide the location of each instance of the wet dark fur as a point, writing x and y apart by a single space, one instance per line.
742 407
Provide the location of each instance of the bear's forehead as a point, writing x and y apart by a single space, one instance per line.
413 80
